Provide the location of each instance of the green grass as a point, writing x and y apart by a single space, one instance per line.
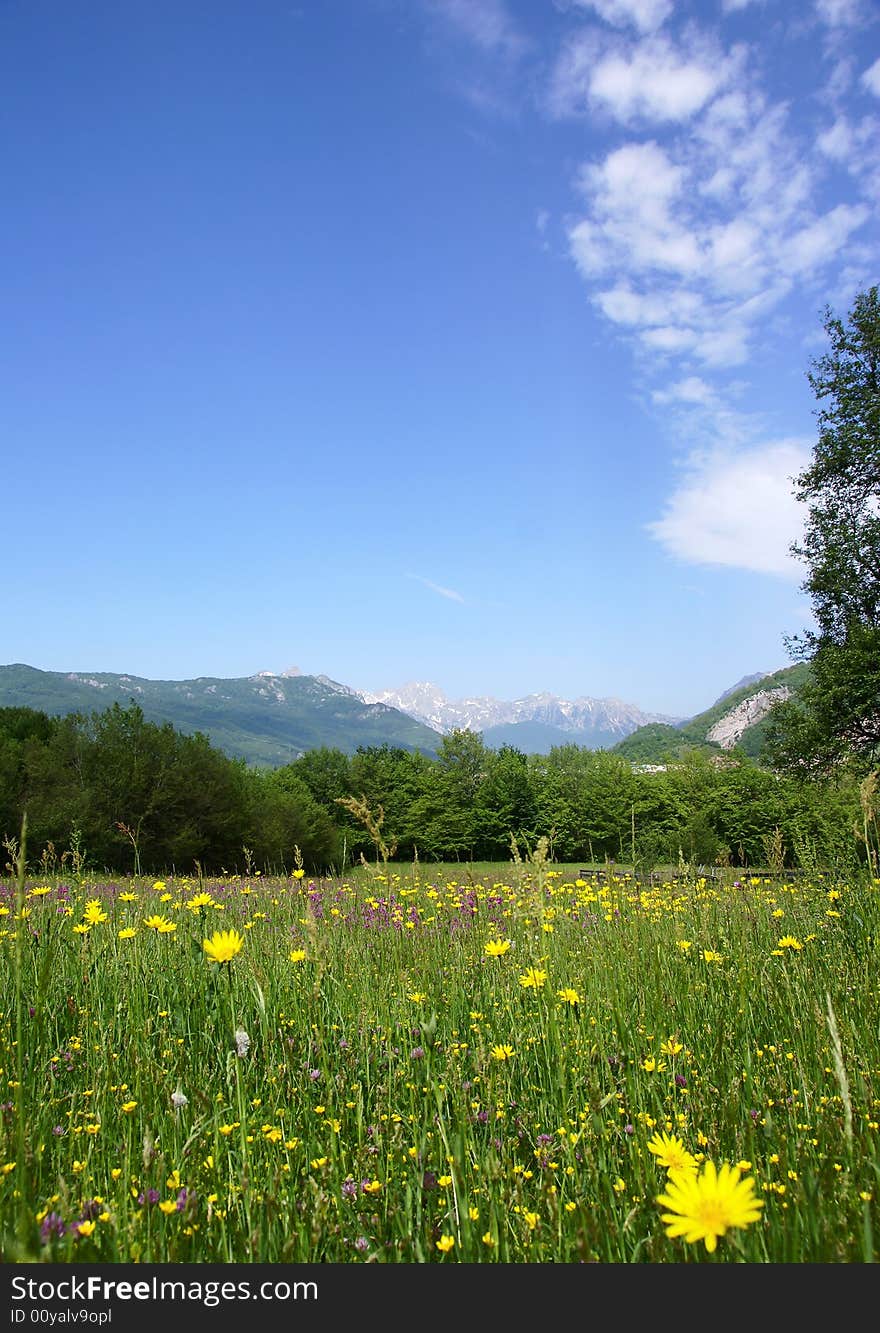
366 1116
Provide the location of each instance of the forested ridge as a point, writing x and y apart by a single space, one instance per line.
116 792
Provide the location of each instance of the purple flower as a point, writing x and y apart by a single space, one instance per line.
681 1081
417 1053
362 1244
51 1225
349 1188
315 1075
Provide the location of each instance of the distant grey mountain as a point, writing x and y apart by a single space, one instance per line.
741 685
533 724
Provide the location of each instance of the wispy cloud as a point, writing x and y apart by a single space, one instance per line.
487 23
688 242
871 78
449 593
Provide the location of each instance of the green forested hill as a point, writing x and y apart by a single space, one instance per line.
264 719
656 743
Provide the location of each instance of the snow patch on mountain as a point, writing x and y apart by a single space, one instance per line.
426 702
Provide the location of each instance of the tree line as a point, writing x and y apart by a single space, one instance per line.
119 793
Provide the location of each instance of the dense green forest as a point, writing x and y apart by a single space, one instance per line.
115 792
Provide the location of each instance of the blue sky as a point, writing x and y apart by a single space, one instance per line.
449 340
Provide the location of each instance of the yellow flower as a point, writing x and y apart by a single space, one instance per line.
128 1107
789 942
533 978
168 1206
81 928
223 946
671 1152
160 884
531 1220
706 1205
417 997
569 996
710 956
128 933
297 955
496 948
93 912
160 924
445 1244
86 1228
502 1052
199 901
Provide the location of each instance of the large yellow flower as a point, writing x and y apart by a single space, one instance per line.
223 946
496 948
704 1206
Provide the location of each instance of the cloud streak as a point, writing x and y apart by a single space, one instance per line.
449 593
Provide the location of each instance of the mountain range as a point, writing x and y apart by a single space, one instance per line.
532 724
270 718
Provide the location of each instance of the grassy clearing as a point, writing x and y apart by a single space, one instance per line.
376 1074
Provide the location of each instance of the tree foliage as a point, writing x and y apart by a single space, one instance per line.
836 715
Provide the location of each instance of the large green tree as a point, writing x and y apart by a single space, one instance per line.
836 716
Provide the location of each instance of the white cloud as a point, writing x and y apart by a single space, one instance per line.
738 511
836 142
871 78
670 338
645 15
817 244
689 390
653 80
691 243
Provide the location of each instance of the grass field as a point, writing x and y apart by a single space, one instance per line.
481 1064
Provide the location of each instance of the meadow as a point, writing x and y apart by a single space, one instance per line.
515 1063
